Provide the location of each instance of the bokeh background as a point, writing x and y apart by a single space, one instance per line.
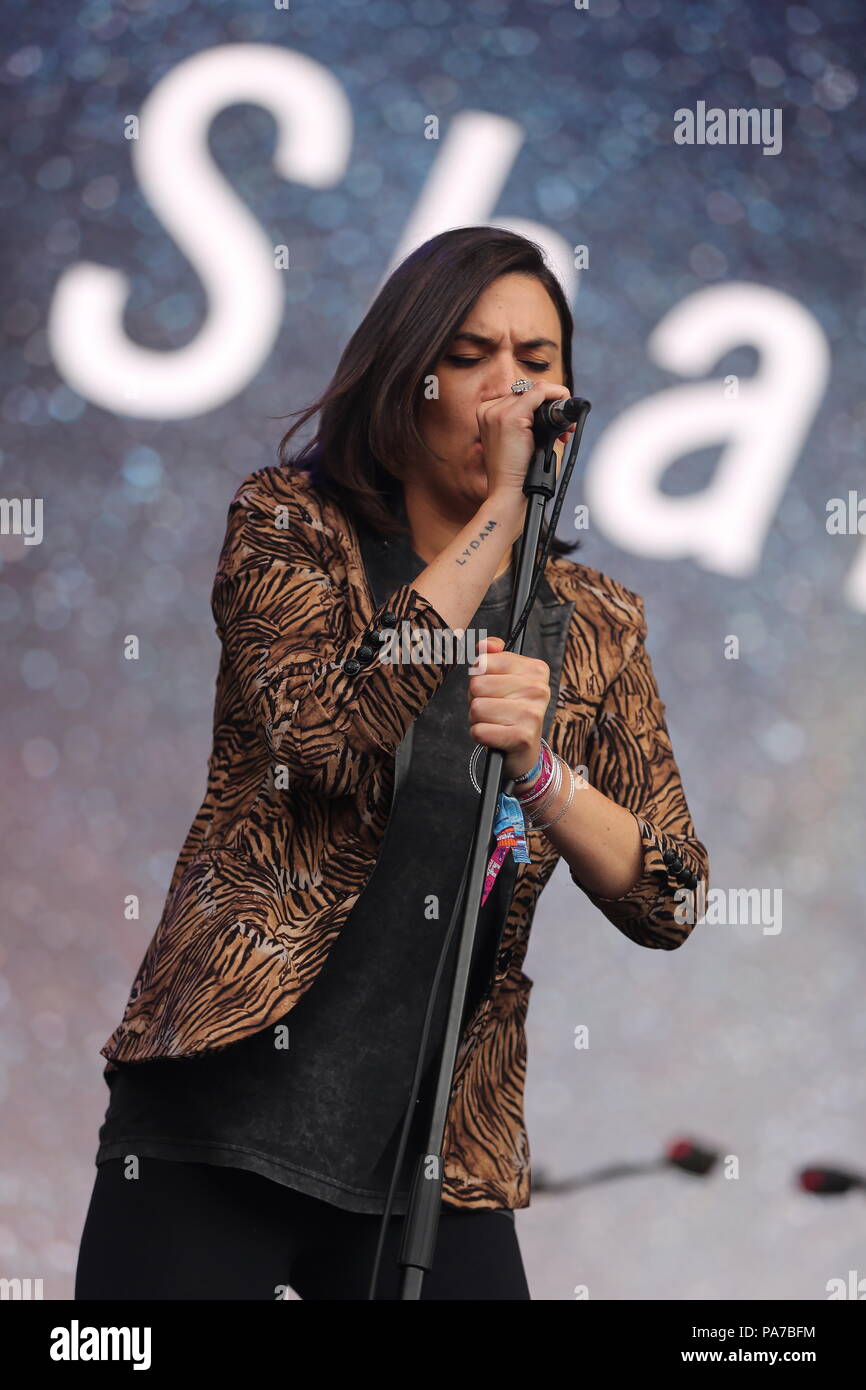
150 346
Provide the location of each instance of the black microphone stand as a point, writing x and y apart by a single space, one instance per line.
422 1214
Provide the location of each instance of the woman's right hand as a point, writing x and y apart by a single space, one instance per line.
505 426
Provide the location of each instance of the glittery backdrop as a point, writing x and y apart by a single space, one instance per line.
200 200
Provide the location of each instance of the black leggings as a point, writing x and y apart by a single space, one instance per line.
196 1230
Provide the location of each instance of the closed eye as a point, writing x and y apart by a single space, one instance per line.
470 361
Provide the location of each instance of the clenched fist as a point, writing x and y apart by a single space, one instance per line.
507 704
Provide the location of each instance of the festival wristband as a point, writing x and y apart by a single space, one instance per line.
510 831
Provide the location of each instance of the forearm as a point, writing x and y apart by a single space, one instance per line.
457 580
599 840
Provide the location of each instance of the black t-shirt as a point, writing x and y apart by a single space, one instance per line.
323 1114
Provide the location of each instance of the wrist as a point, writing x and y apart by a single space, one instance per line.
532 789
525 789
509 508
524 765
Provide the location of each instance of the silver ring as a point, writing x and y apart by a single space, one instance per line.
521 385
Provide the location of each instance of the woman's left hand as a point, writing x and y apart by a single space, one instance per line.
507 704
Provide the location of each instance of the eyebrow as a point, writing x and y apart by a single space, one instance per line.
481 341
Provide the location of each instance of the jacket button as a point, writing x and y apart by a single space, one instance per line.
365 654
676 864
377 636
389 619
351 667
505 959
669 855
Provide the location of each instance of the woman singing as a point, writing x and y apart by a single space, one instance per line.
261 1072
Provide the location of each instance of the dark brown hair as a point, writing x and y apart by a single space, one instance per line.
369 414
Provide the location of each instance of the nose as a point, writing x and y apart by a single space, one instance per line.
503 372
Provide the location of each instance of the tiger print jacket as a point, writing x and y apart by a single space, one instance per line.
299 788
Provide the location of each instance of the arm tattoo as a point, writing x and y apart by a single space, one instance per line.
473 545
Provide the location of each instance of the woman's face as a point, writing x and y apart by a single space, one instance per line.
510 316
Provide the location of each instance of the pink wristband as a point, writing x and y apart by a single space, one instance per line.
544 780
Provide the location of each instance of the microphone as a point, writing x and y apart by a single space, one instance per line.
684 1154
828 1182
559 414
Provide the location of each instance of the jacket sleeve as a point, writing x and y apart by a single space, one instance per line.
630 759
317 692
